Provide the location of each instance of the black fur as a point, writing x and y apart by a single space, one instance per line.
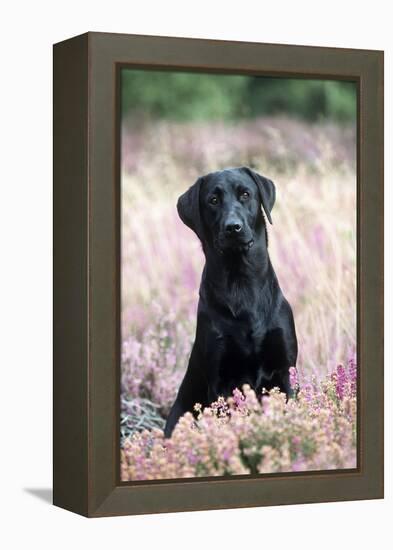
245 329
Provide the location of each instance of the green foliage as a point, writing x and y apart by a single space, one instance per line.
197 97
341 100
183 96
304 98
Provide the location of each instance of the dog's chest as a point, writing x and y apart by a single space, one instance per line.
240 341
244 335
239 355
242 318
238 332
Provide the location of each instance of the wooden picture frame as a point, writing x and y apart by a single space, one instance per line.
86 274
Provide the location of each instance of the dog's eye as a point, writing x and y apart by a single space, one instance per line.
213 200
245 195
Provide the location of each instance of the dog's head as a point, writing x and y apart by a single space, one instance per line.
224 208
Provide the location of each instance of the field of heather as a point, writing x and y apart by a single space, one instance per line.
312 244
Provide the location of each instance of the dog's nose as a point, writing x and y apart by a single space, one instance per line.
233 227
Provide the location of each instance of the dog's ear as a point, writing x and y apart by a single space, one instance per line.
267 191
189 210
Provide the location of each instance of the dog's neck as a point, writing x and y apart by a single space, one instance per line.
226 268
235 282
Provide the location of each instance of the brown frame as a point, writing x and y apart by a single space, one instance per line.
86 274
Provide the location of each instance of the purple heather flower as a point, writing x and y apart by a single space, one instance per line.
341 381
293 378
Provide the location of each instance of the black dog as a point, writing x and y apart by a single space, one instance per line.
245 330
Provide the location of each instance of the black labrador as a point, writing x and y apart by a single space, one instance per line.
245 329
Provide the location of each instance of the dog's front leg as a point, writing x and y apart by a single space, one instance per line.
176 412
214 356
212 393
193 389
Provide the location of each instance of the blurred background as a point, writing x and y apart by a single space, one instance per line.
177 126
